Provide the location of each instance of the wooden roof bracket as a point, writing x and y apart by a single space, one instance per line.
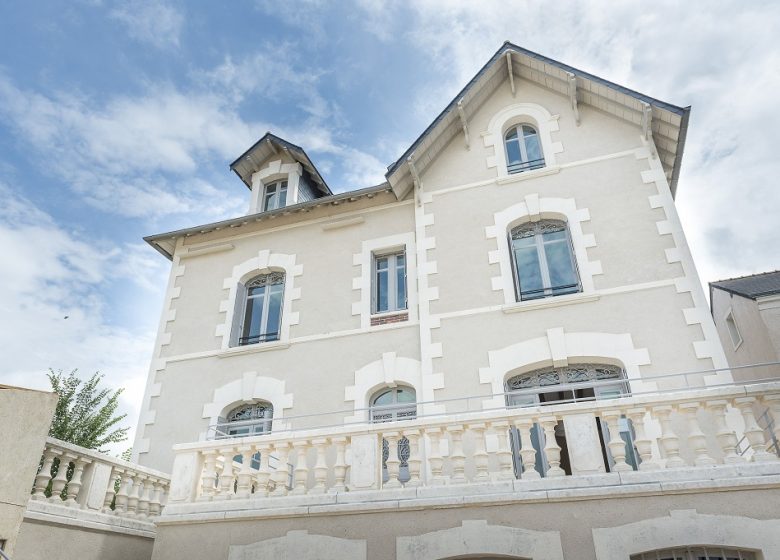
647 128
511 74
271 145
573 96
464 123
415 179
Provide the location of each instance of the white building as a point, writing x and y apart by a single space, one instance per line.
503 350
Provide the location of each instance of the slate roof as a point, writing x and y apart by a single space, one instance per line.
753 286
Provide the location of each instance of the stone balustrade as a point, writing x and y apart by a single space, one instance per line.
661 432
91 482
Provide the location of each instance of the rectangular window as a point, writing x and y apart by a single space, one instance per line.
389 282
731 324
275 196
263 309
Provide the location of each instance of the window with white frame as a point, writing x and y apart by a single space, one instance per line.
275 196
731 325
390 405
696 553
543 258
389 282
247 419
259 309
523 149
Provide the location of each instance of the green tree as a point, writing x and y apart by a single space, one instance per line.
85 413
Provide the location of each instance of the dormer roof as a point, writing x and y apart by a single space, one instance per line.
266 148
667 122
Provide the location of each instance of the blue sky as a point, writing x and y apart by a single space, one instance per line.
119 119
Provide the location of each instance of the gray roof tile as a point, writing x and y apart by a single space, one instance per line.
753 286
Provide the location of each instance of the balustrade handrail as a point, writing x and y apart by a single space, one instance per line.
103 458
623 402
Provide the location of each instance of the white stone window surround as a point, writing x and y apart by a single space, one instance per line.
275 171
265 262
302 546
520 113
556 349
389 371
476 538
533 209
688 527
363 283
250 388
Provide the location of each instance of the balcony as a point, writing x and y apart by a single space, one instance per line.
688 436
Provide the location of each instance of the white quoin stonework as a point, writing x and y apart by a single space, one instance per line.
300 545
265 261
533 209
557 349
478 538
688 528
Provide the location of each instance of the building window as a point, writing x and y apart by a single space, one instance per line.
523 150
544 263
262 313
580 382
275 196
696 553
731 325
389 289
247 420
390 405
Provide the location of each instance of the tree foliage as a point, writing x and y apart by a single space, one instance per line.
85 413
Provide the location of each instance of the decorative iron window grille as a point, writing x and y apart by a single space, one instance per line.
248 419
696 553
580 373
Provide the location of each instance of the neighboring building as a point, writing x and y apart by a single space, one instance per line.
746 311
502 351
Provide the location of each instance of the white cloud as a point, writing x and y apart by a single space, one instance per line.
150 21
55 309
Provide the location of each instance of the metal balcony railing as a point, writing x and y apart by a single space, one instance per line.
257 338
513 168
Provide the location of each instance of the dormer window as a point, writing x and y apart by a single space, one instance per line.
523 150
275 196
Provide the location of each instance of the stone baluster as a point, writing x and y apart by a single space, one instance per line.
144 496
527 450
340 467
480 453
753 432
457 456
59 482
772 402
696 438
551 449
300 448
617 447
154 502
226 476
111 491
280 475
208 477
321 466
244 486
414 460
643 444
264 473
393 460
135 482
501 430
669 440
727 439
74 486
120 506
44 475
435 459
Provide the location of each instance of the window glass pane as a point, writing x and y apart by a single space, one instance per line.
511 134
559 264
532 147
384 399
513 152
274 311
254 314
381 288
381 263
405 396
256 291
529 272
528 130
282 200
400 283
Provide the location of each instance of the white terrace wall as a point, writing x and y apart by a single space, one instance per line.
639 281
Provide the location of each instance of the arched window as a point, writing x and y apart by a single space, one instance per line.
247 420
390 405
696 553
259 309
544 263
551 385
523 150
